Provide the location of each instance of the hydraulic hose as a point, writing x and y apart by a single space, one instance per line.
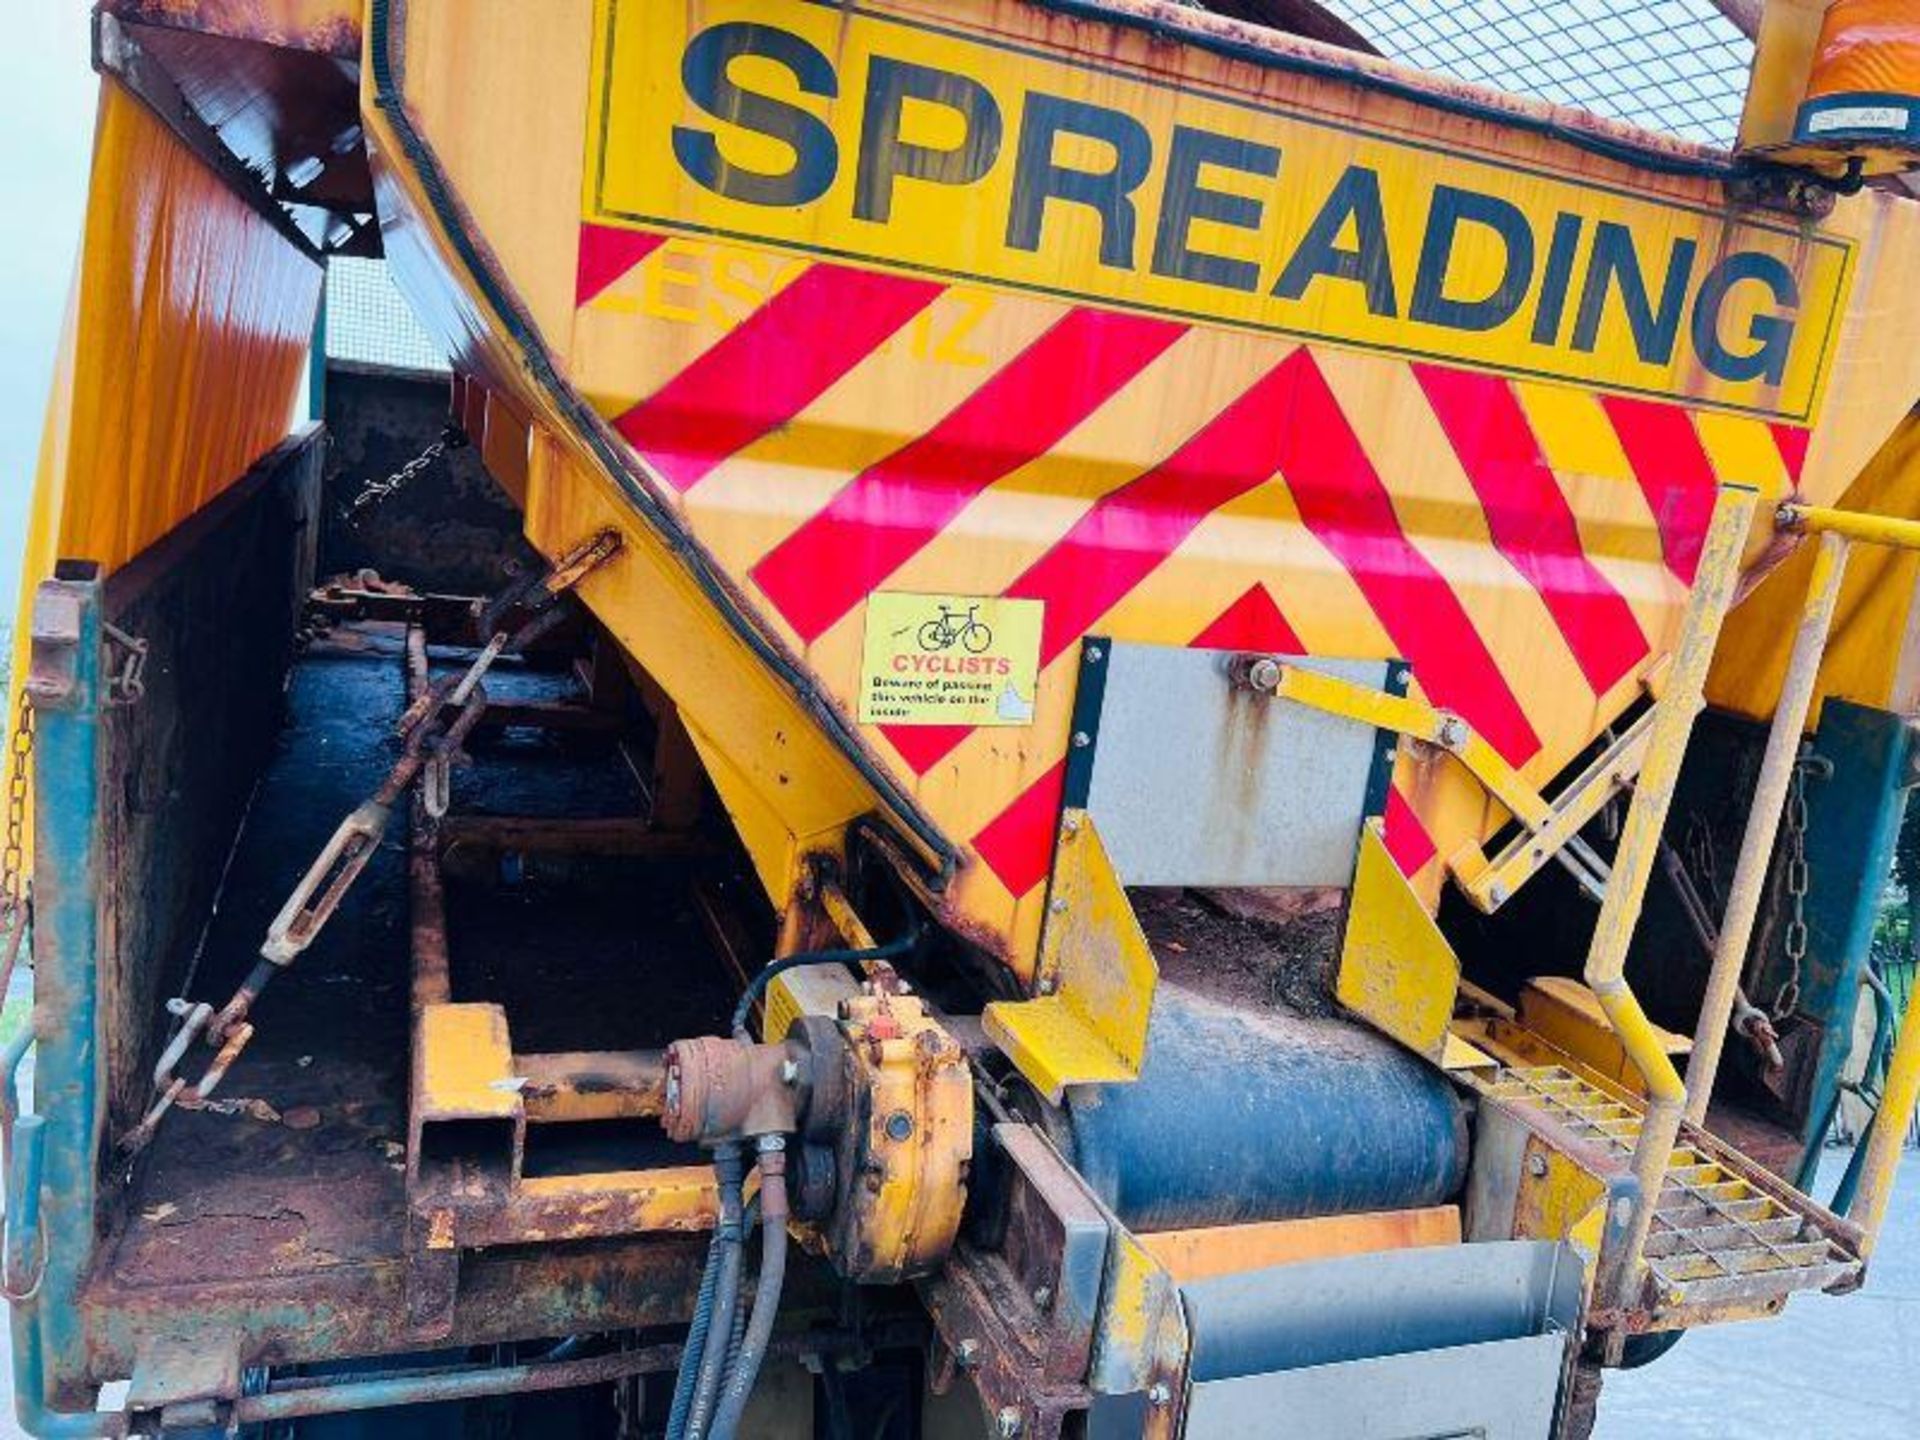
766 1296
697 1332
713 1355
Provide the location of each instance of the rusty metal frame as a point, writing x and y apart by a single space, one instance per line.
465 1075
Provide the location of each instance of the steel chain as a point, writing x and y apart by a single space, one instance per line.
376 491
1794 942
13 857
16 908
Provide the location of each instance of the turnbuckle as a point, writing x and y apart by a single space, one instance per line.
327 881
429 751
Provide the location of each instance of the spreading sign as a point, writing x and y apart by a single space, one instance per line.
949 660
854 132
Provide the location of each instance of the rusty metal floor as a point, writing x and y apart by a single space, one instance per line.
313 1176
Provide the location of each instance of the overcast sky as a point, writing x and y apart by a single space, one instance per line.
46 131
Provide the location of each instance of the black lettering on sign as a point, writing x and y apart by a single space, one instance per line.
1558 277
706 72
1772 335
754 128
1453 207
885 156
1184 199
1355 199
1038 177
1615 266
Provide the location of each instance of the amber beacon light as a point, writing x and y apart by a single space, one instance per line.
1865 82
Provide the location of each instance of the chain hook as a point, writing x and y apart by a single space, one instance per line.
126 685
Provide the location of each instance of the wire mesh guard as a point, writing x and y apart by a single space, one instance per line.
1677 66
370 323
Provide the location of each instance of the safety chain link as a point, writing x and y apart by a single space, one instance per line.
126 684
16 907
376 491
1794 940
13 857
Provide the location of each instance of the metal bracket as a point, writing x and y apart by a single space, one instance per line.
171 1371
1096 977
1549 833
1396 968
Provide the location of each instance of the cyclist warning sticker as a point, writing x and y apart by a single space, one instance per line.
949 660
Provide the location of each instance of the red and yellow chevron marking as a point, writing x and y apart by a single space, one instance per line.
1525 546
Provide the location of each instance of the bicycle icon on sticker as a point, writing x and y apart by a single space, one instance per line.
964 628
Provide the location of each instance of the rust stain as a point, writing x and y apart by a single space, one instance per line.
327 27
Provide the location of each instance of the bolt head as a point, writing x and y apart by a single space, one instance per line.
1043 1296
1008 1423
1159 1395
1537 1166
1095 654
1081 739
967 1353
1264 674
1057 906
789 1072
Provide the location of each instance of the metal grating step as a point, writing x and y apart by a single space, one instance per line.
1725 1239
1744 1292
1741 1258
1704 1235
1681 1212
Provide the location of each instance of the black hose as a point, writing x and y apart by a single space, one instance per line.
739 1335
713 1357
892 950
697 1331
766 1294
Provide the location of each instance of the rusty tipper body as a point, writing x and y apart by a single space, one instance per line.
1148 728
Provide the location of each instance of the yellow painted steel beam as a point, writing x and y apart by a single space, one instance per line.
1763 820
1581 800
1713 585
584 1085
1420 721
1852 525
1549 833
844 917
548 1208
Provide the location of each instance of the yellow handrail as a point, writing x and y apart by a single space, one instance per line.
1679 704
1763 820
